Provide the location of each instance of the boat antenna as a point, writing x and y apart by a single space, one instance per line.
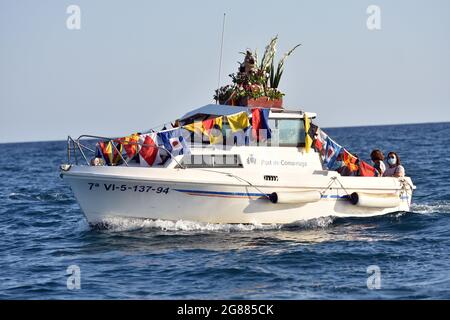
220 57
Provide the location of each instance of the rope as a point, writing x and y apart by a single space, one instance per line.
348 194
332 181
406 183
240 179
404 189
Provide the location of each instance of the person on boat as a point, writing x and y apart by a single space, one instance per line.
378 159
395 169
97 161
340 166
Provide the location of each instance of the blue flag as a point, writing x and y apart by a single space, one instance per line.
265 122
260 121
173 141
332 151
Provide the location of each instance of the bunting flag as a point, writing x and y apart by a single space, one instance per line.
260 124
313 132
366 170
207 125
320 141
131 145
149 152
196 127
106 151
117 153
310 130
213 129
323 136
238 121
174 141
332 150
350 161
98 151
215 133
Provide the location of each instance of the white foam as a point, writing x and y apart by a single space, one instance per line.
428 208
119 224
81 226
321 223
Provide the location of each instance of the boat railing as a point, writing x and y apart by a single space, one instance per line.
77 149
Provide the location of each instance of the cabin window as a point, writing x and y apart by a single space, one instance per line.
287 132
212 161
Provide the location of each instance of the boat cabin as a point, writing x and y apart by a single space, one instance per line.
287 126
284 150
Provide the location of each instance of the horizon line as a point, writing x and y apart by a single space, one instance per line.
326 127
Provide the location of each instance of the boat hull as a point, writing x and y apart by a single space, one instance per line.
102 196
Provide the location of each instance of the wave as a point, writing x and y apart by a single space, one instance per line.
431 208
42 197
316 223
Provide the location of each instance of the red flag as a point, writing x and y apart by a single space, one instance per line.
256 123
130 144
366 170
260 124
149 151
208 125
321 141
318 145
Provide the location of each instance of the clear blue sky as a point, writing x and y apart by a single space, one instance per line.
136 64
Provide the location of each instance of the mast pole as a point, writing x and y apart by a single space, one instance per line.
220 57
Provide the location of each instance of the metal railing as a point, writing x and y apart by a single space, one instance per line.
75 148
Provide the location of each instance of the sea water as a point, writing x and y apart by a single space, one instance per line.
46 242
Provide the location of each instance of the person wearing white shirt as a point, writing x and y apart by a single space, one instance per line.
394 169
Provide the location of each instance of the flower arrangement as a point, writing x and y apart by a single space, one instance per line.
255 80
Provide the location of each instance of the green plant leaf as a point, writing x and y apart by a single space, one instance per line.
269 54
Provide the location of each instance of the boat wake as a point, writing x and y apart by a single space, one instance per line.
120 224
431 208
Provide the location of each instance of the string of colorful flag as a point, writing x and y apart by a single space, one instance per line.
333 154
148 146
239 124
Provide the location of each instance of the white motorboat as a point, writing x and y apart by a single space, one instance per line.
276 182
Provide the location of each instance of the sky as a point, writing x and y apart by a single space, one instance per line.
134 65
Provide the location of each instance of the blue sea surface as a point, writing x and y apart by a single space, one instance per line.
43 232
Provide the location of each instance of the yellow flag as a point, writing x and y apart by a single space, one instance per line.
308 139
196 127
109 152
238 121
215 135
